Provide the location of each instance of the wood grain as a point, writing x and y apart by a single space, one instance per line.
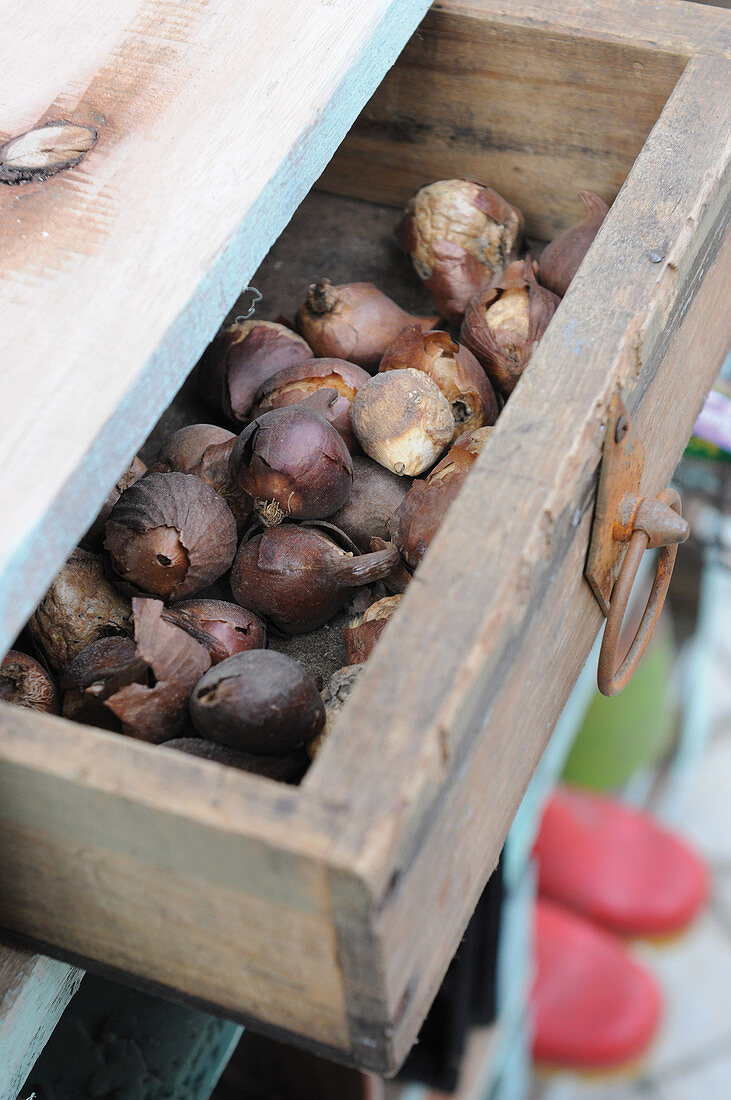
332 910
211 128
539 101
179 870
500 617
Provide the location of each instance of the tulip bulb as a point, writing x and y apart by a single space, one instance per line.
459 235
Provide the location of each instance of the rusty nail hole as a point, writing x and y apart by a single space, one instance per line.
38 154
621 428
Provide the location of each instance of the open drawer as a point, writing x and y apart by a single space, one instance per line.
329 912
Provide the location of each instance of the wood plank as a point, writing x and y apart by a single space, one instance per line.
500 615
539 101
183 872
188 873
34 991
213 121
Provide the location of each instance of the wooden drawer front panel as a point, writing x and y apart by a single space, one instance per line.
331 911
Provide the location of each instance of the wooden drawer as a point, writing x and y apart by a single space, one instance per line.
329 912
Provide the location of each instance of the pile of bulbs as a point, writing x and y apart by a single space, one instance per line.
314 503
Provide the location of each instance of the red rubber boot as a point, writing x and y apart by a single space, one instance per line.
593 1007
617 866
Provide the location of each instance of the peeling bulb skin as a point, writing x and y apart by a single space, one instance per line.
139 688
293 465
258 702
361 635
337 378
204 450
240 360
504 324
355 321
235 628
25 683
80 606
402 420
170 535
453 368
297 578
460 235
561 258
183 451
417 520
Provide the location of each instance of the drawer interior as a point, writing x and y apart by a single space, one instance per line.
296 908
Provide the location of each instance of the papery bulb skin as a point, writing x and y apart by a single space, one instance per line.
504 324
460 235
293 464
355 321
376 494
340 379
235 628
453 368
25 683
139 688
561 258
361 634
80 606
240 359
170 535
297 578
402 420
416 521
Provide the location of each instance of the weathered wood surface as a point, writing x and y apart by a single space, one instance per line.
181 871
500 619
34 991
333 910
538 100
213 121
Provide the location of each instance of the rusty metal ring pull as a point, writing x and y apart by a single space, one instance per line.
650 526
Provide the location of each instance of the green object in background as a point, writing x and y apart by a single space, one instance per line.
632 730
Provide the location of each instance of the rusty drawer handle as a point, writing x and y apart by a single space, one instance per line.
647 523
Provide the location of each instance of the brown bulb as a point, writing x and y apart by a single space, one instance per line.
376 494
80 606
94 537
560 259
258 702
355 321
239 361
362 634
293 464
299 577
25 683
140 688
204 450
301 382
459 235
503 325
453 368
402 420
236 629
417 520
171 535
